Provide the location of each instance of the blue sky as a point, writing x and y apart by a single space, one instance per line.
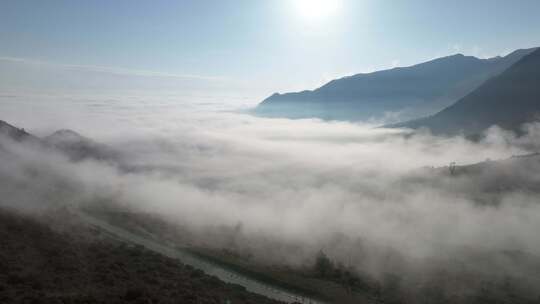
261 46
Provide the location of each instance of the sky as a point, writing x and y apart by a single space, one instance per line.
250 49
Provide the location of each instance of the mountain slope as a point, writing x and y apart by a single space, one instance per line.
78 147
507 100
46 260
70 143
411 92
15 133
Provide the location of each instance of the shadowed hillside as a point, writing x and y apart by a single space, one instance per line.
14 133
405 93
508 100
73 263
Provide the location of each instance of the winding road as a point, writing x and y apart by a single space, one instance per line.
218 271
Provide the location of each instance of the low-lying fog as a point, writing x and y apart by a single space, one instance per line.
291 187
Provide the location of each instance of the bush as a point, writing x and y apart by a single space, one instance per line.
323 265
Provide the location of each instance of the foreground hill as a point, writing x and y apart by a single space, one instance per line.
73 263
508 100
408 92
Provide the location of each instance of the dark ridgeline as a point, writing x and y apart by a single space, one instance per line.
507 100
72 144
78 147
412 92
14 133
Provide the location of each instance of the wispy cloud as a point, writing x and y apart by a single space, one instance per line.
112 70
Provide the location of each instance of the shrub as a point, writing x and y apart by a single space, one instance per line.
323 265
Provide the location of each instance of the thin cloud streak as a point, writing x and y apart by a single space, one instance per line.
113 70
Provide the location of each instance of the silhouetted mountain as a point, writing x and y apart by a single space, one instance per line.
14 133
404 93
507 100
72 144
78 147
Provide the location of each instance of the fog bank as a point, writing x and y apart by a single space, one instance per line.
368 197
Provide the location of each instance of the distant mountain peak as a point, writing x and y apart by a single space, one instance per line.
66 135
66 132
402 93
507 100
77 146
71 143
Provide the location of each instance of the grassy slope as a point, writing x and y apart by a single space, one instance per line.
303 282
296 280
75 264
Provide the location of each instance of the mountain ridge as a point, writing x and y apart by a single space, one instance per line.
70 143
411 92
507 100
13 132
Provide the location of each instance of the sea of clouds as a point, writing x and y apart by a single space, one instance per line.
369 197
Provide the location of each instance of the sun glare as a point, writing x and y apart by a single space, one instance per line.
317 9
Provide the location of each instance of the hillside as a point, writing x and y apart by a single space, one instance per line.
70 143
14 133
508 100
401 93
78 147
72 263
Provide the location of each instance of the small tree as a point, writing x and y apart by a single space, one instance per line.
323 265
452 168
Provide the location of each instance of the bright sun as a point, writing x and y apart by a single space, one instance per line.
317 9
